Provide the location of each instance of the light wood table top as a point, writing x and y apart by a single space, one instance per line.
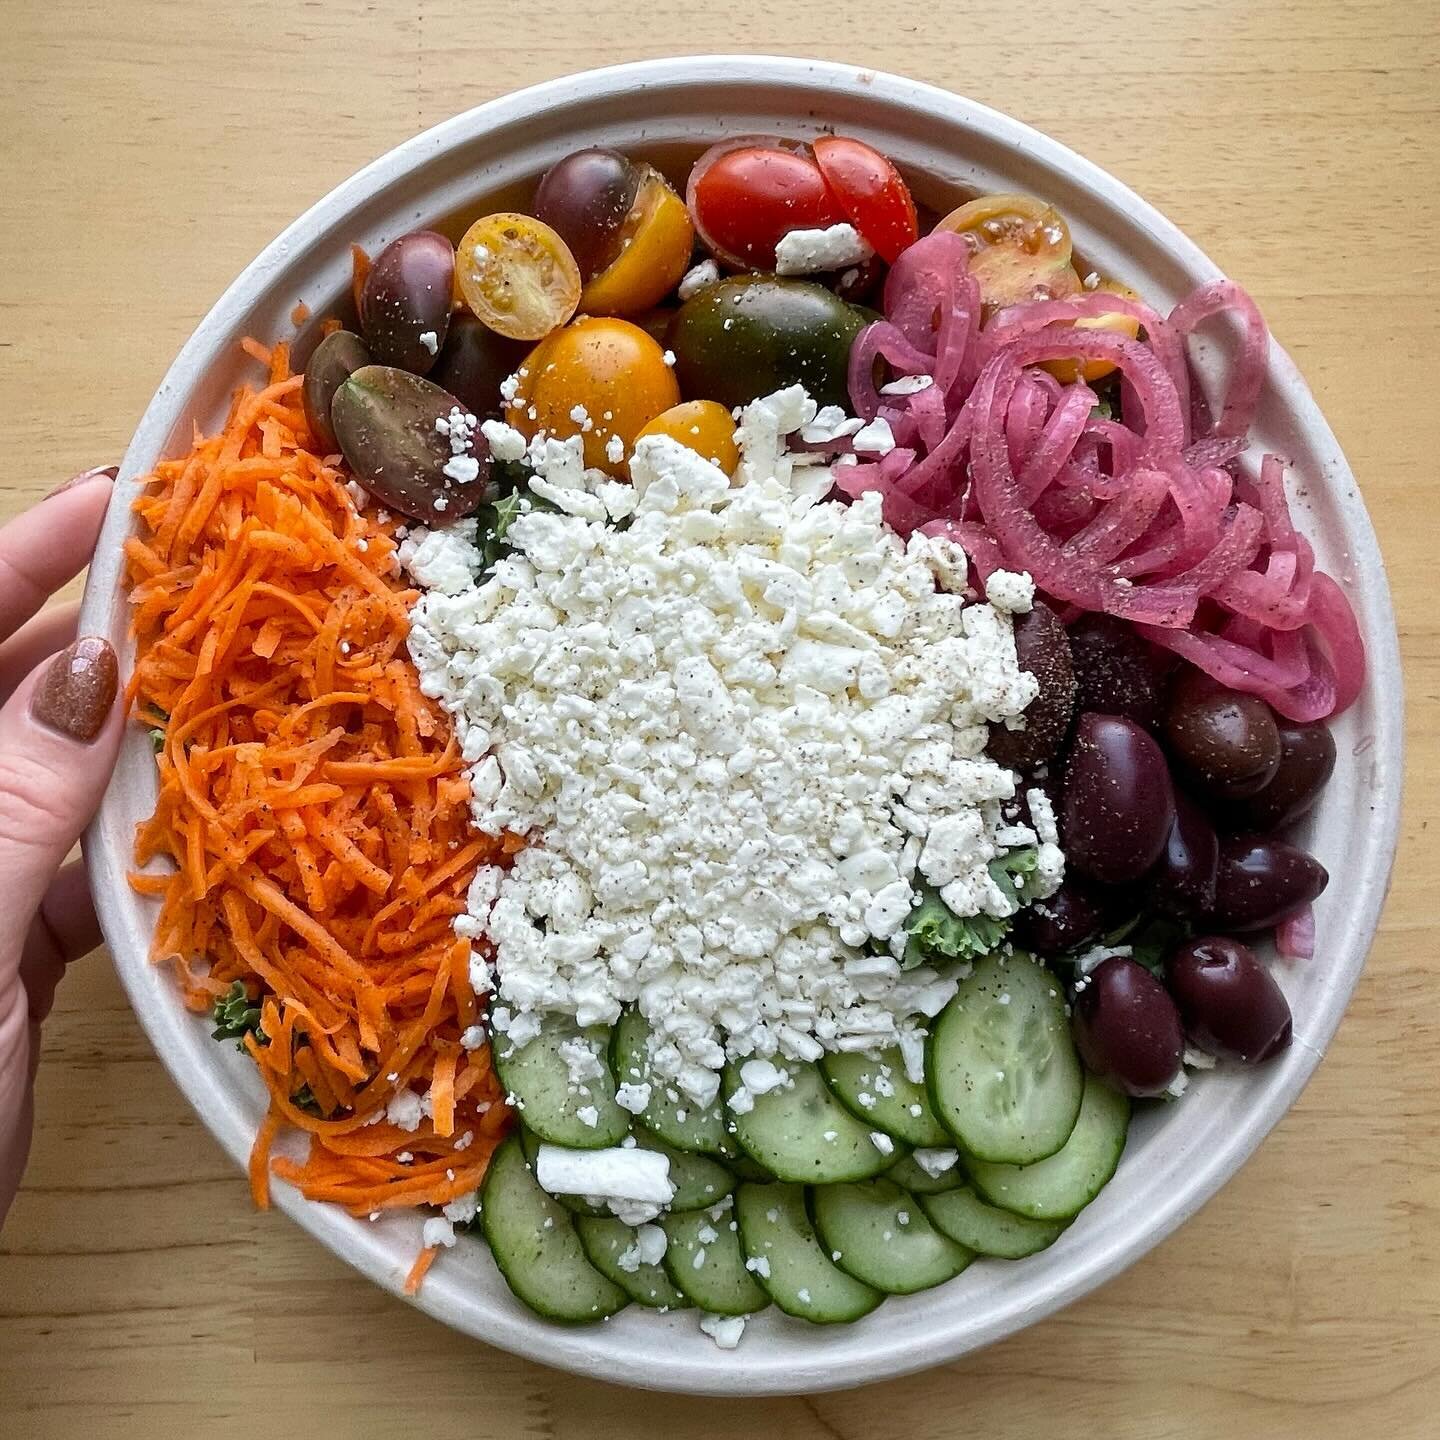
150 149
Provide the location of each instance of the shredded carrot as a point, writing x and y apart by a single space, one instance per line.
312 808
418 1271
300 314
359 270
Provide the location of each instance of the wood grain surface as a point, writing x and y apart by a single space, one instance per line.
149 149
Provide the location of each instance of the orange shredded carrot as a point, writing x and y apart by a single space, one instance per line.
418 1271
312 808
300 314
359 270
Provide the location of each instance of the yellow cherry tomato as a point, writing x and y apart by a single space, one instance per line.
703 426
517 275
1068 370
601 378
655 249
1020 248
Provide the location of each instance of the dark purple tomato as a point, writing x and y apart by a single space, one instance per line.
1115 671
1042 649
475 362
1073 914
1228 1000
405 301
1119 803
1127 1028
1307 760
333 361
1183 880
1227 741
1261 882
586 199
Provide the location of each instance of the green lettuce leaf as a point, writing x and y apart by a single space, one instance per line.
236 1015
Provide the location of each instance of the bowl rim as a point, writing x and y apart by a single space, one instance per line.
1109 1253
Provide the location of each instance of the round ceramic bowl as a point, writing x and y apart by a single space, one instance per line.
1178 1155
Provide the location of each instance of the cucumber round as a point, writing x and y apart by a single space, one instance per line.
1003 1073
538 1079
605 1241
802 1133
699 1180
535 1245
909 1175
878 1233
786 1257
707 1264
968 1220
1065 1183
877 1091
679 1122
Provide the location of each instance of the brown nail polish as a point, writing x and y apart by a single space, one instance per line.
78 689
84 478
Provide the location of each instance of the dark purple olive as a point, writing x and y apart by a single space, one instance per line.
1183 880
1119 802
333 361
585 199
1307 760
475 362
1042 649
1261 882
1115 671
1228 741
405 301
1072 915
1228 1000
384 419
1127 1028
856 283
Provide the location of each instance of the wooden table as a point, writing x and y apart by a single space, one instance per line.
148 150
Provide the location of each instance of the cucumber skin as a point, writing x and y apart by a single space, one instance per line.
595 1234
702 1136
530 1142
925 1130
908 1175
613 1123
679 1263
1028 1237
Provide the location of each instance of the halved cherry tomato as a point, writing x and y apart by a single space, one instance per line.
1020 248
869 189
656 241
1068 370
517 275
703 426
745 195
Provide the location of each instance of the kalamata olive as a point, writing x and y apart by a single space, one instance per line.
585 198
405 302
1228 741
1043 650
474 363
1115 671
1118 800
384 419
1260 882
1069 917
1127 1028
1228 1000
333 361
1183 880
1307 760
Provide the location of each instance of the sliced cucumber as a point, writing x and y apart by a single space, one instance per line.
801 1132
698 1180
878 1092
557 1110
1003 1073
707 1263
786 1257
535 1245
678 1122
530 1143
605 1242
743 1166
968 1220
1065 1183
878 1233
909 1175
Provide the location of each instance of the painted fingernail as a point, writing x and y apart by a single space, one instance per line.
77 690
84 478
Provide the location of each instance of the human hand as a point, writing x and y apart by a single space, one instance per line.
59 733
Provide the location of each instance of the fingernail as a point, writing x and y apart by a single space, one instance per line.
78 689
84 478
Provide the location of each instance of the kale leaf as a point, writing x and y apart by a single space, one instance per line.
237 1016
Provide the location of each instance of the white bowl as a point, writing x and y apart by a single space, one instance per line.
1178 1156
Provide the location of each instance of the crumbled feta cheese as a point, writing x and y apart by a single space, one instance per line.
830 423
694 280
1010 591
505 441
724 1330
431 341
404 1110
437 1231
907 385
758 1265
806 252
936 1162
635 1184
632 1096
472 1037
614 449
882 1142
463 1209
876 438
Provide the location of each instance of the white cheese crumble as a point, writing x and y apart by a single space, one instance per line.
936 1162
635 1184
805 252
907 385
1014 593
876 438
736 733
431 341
694 280
724 1330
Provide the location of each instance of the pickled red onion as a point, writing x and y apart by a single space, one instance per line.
1295 937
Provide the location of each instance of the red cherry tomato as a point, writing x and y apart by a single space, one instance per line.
744 198
871 192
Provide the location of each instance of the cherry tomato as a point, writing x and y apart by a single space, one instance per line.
656 242
745 195
1068 371
604 373
868 188
1020 248
586 199
703 426
517 275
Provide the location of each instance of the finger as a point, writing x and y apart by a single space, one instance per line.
47 634
50 543
64 929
